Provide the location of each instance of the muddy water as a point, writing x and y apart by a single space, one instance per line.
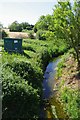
52 108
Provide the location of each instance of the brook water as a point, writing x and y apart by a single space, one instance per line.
51 108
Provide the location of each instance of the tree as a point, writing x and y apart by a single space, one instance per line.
67 25
4 34
24 25
43 23
43 28
77 30
15 27
18 27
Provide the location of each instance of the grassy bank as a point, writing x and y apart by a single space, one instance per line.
68 81
22 76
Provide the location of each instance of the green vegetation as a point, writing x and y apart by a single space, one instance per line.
4 34
64 23
19 98
70 98
21 87
67 24
31 34
22 77
68 92
19 27
1 43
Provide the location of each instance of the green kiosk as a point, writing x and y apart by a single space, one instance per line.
13 45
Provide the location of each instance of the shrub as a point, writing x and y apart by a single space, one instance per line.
26 71
31 35
20 100
35 29
22 79
15 27
40 35
49 35
70 99
4 34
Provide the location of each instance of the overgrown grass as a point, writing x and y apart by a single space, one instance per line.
23 74
1 43
69 97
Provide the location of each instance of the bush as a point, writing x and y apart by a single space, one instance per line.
31 35
26 71
15 27
20 100
41 35
50 35
35 29
71 101
22 79
4 34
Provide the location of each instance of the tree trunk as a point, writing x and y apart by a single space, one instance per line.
78 57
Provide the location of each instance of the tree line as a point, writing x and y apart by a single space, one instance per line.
19 27
63 24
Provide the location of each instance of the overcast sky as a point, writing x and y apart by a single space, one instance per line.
24 10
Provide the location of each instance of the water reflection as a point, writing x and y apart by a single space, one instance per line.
48 81
51 108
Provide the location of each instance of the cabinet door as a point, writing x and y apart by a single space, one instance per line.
8 45
16 45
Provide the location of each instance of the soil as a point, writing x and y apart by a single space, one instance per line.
70 74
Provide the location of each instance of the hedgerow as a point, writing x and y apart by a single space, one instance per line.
22 76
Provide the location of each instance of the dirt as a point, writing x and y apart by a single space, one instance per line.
70 74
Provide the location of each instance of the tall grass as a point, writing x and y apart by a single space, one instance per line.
22 78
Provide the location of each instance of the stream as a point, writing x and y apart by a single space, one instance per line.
51 107
49 81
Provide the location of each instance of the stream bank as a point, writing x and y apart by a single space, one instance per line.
68 85
52 108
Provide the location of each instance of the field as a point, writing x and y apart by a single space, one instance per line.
17 34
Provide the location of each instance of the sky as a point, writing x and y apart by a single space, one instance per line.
24 10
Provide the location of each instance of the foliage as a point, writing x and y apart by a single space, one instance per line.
43 23
4 34
26 71
1 43
63 24
49 35
40 35
23 74
68 96
15 27
70 99
35 29
18 27
19 98
24 24
31 35
30 27
66 25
